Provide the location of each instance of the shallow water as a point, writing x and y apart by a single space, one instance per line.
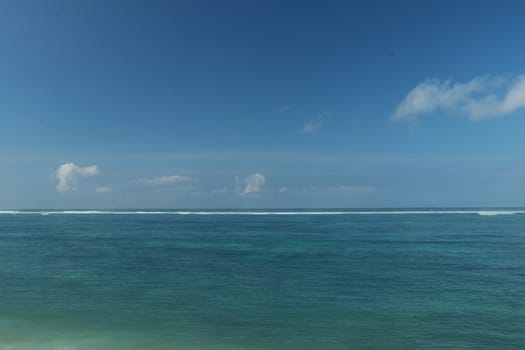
452 280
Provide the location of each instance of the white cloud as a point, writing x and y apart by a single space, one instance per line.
480 98
284 109
493 106
68 173
162 180
252 184
103 189
313 125
432 95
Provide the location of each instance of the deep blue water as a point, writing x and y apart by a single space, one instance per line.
171 281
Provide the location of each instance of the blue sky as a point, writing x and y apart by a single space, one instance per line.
249 104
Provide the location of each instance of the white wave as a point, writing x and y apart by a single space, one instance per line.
276 212
499 212
12 212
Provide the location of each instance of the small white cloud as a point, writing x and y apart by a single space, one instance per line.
493 106
310 127
162 180
313 125
252 184
480 98
284 109
283 189
68 173
103 189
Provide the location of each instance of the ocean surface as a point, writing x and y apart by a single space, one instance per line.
402 279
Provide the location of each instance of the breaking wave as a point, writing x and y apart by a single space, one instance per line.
270 212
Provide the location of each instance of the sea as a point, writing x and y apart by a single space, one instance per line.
262 279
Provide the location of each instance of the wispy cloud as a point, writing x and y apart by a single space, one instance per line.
477 99
104 189
284 109
67 175
251 184
494 106
283 189
312 126
162 180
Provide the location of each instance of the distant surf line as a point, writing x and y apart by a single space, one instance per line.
262 213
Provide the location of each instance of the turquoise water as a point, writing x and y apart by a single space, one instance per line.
403 280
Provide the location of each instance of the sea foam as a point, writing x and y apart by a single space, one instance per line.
274 212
